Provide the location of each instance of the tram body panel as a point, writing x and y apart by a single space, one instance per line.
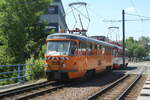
74 66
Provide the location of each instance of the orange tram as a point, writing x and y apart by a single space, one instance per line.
73 56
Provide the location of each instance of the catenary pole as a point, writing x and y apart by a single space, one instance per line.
123 38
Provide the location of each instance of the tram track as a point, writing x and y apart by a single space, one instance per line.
128 89
83 89
39 92
55 90
116 90
30 90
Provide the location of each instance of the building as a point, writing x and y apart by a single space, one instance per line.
55 17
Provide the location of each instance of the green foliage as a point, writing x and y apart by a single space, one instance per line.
144 43
139 52
22 34
21 28
42 51
36 70
131 45
6 82
138 49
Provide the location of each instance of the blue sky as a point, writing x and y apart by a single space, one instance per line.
100 10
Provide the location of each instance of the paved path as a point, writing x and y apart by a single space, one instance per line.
145 92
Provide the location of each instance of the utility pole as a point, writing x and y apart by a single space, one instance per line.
123 32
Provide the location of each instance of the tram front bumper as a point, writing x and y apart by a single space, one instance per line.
58 74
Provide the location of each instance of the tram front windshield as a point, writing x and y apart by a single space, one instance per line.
58 47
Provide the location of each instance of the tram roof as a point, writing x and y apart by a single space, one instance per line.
79 37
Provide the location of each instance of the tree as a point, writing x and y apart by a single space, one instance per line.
138 48
20 26
139 52
131 44
143 41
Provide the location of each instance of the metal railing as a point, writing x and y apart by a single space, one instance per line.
19 70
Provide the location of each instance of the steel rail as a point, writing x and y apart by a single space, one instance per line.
94 96
46 90
127 90
39 93
11 92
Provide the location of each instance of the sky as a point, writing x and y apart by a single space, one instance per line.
100 10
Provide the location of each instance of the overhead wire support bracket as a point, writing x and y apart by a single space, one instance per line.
82 29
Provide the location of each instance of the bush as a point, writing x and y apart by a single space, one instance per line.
35 69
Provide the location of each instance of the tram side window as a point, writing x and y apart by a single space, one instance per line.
114 53
120 53
99 48
89 49
82 48
103 50
73 48
107 50
93 46
94 49
110 50
126 53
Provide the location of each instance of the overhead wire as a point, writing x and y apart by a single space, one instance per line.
146 17
137 12
127 20
94 13
133 4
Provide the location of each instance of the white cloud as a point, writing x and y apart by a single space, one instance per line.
130 9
